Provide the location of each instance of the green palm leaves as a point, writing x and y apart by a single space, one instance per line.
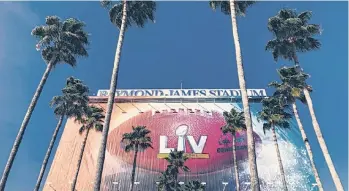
62 41
139 12
74 100
194 185
240 6
137 139
176 160
168 180
292 33
94 118
273 113
234 121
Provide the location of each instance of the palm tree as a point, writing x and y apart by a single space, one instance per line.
176 160
235 121
194 185
123 14
72 103
290 94
93 119
234 8
292 34
62 42
166 181
137 140
274 114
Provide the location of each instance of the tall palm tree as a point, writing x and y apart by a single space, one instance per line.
234 8
235 121
290 93
292 34
176 160
274 115
122 14
93 119
61 42
137 140
194 185
72 103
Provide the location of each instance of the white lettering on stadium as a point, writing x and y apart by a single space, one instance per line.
184 93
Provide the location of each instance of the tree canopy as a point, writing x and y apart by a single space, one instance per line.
138 12
194 185
62 41
240 6
138 139
74 99
273 113
94 118
292 33
234 121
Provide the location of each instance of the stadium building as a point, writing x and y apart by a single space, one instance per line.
186 119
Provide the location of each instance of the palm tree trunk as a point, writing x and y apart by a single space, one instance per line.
237 184
176 182
25 122
80 160
250 140
101 153
307 146
48 153
281 168
322 142
134 169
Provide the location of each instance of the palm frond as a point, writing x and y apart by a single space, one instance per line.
62 42
240 6
292 34
138 13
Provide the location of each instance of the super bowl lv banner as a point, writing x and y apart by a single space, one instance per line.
193 128
197 132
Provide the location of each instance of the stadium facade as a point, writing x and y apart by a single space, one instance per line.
186 119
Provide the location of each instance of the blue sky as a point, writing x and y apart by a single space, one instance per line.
188 42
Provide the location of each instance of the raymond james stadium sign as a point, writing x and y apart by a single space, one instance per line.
184 93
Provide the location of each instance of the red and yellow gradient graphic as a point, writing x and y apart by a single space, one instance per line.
197 133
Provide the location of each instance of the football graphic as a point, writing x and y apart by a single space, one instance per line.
197 133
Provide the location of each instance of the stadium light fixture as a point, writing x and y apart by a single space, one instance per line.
115 183
225 185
